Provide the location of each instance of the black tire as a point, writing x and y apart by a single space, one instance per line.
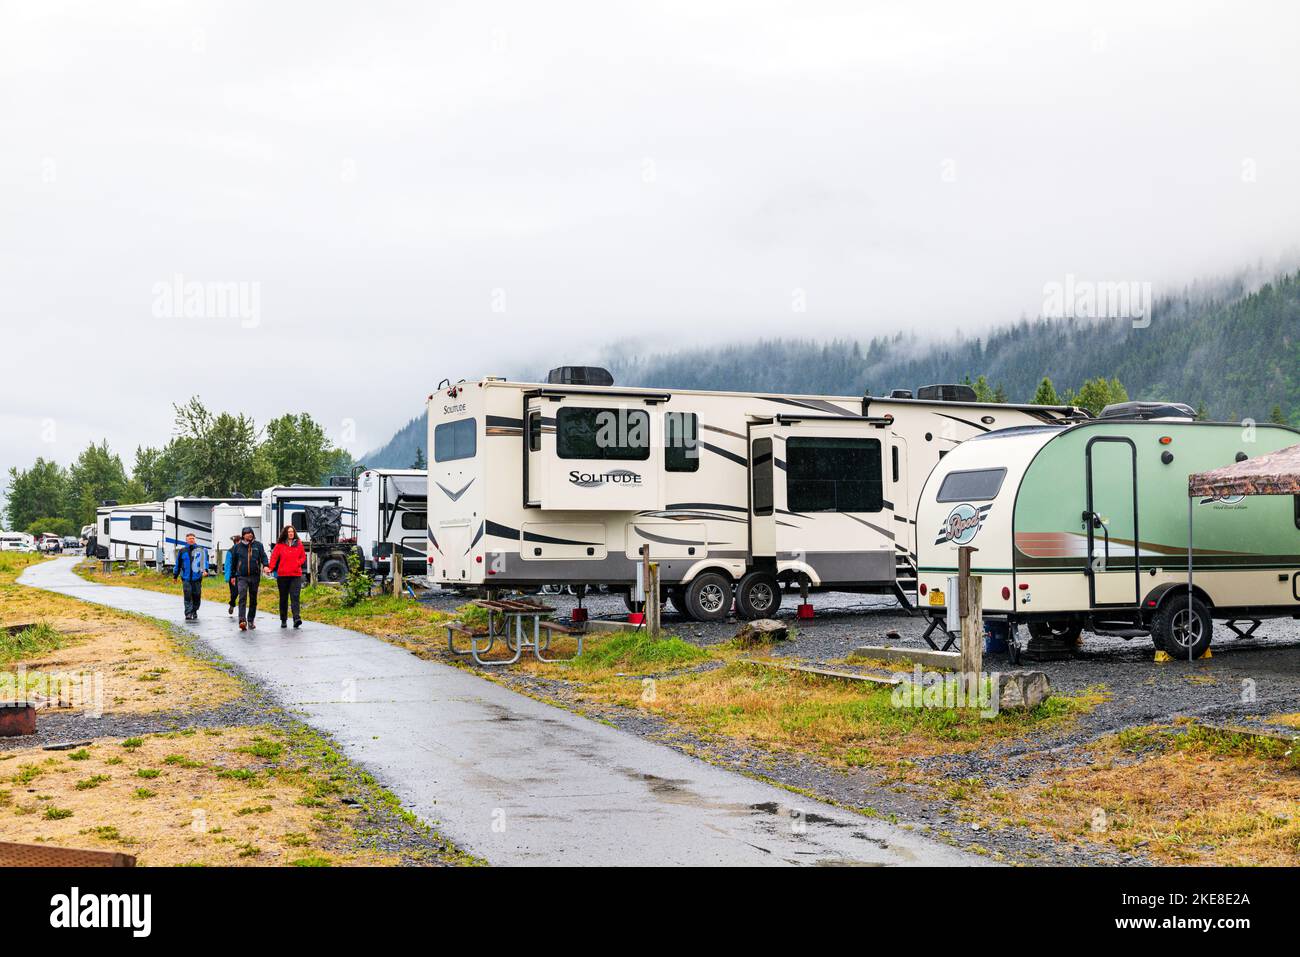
677 598
708 597
1066 631
333 570
1169 628
758 596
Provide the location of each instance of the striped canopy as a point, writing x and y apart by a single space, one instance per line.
1277 473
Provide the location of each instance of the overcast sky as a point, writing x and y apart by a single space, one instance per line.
403 192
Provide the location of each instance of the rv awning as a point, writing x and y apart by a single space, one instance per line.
1277 473
409 486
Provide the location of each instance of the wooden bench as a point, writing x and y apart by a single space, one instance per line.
39 855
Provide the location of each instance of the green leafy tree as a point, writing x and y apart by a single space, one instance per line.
1000 394
34 493
97 476
219 454
356 587
983 393
1276 416
1095 394
54 525
1046 394
297 450
159 471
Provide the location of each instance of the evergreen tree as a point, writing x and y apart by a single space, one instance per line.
1046 394
419 462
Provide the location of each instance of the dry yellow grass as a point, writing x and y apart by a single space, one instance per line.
232 796
1201 798
141 668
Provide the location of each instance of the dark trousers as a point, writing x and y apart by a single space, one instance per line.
290 586
193 591
234 592
248 587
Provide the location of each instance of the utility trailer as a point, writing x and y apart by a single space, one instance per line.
567 482
1084 526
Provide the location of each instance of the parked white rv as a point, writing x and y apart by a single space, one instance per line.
391 515
287 505
561 483
99 545
181 516
135 527
16 542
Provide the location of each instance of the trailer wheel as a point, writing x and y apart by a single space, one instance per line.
677 598
708 597
633 606
333 570
758 596
1179 633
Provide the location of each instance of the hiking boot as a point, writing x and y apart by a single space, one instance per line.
230 610
252 627
243 626
283 623
297 623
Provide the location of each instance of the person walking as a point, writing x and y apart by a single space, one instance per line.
247 559
229 576
287 560
191 568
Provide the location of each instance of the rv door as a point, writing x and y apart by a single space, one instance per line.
538 430
1110 520
762 495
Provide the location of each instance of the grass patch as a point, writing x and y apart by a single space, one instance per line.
636 651
33 641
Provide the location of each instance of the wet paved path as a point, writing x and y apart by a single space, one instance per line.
509 778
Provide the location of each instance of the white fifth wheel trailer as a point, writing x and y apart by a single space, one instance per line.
183 516
391 516
135 527
229 520
559 483
288 504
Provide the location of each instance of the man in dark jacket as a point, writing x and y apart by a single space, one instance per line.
191 568
247 559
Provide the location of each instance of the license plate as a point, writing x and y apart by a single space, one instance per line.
936 596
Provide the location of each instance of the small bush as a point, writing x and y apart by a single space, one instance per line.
635 651
33 640
356 587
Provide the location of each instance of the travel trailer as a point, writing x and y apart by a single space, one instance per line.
98 545
565 482
17 542
390 509
135 527
287 505
1085 526
229 520
182 516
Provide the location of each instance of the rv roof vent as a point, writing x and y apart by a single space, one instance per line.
900 394
109 503
1148 410
946 393
579 375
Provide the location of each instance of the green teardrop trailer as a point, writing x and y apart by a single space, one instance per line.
1085 526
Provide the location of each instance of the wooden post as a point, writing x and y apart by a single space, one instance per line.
139 558
970 605
312 564
652 607
397 572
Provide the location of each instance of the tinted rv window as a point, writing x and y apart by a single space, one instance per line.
414 521
830 474
105 526
141 523
681 442
455 440
977 485
611 434
761 470
298 519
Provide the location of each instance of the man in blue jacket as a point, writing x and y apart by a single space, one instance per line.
191 568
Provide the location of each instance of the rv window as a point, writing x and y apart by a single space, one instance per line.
105 526
829 474
976 485
611 434
298 519
893 455
681 442
141 523
455 440
414 521
761 470
534 431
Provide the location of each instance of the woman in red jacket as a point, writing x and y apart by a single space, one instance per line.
287 561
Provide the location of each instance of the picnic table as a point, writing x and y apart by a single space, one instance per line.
500 613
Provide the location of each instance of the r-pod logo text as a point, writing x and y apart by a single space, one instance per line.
963 524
